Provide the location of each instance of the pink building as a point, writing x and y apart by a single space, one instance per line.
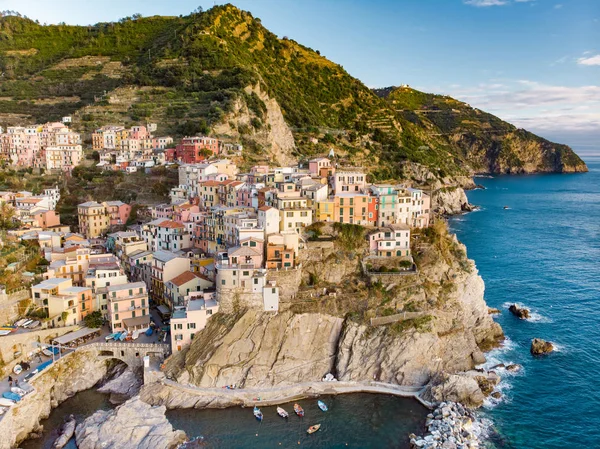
128 307
45 219
118 212
315 166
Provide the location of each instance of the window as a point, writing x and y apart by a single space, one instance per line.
245 273
222 281
252 243
116 307
255 281
133 314
273 290
209 312
191 326
116 317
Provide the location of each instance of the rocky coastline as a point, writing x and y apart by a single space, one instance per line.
451 426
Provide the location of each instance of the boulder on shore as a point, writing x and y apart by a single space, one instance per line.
520 312
540 347
67 431
134 424
456 388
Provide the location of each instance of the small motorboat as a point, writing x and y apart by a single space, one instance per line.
135 335
12 396
313 429
18 391
110 337
123 336
281 412
257 413
4 332
6 402
2 411
298 410
50 351
506 207
322 406
32 325
18 369
21 322
149 331
26 323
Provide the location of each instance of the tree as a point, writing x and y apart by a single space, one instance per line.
7 213
64 316
93 320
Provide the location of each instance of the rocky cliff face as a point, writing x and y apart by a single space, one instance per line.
453 342
273 134
134 424
263 349
450 201
451 332
74 373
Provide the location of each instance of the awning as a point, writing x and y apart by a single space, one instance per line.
164 310
139 322
68 338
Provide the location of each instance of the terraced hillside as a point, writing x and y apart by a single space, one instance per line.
222 72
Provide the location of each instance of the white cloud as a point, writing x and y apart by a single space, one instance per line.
485 3
536 106
592 60
558 6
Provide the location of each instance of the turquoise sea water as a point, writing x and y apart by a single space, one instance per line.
544 253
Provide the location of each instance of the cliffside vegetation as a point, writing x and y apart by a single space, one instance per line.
189 74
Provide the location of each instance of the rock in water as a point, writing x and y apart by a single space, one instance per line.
455 388
68 429
134 424
513 367
520 312
540 347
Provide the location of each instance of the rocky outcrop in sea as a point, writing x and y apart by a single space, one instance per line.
133 424
451 426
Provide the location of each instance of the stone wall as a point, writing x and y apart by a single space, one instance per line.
288 282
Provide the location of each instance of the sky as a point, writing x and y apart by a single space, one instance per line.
535 63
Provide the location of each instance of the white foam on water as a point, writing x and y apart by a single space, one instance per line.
534 316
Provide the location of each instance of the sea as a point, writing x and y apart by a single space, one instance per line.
543 252
536 242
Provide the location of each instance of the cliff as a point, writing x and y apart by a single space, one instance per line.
448 329
73 373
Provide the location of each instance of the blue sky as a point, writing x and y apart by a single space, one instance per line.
535 63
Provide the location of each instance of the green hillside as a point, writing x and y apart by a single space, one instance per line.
190 74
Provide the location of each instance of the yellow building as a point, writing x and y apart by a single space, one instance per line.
93 219
325 211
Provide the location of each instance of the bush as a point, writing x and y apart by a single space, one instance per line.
93 320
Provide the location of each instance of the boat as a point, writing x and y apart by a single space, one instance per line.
50 351
149 331
110 337
257 413
21 322
298 410
281 412
4 332
506 207
322 405
6 402
32 325
135 335
12 396
123 336
26 323
2 411
313 429
18 391
18 369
